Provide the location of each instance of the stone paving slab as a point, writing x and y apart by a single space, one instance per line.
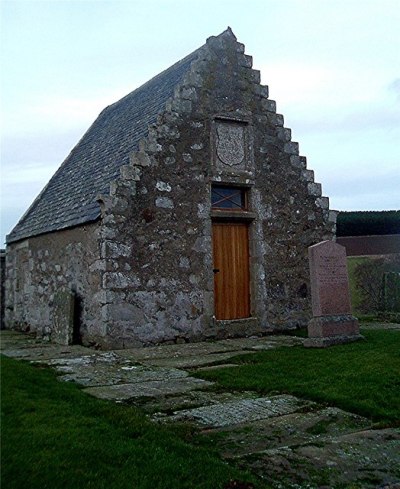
263 343
235 346
108 368
362 460
154 389
287 430
160 409
194 361
45 352
242 411
289 442
173 351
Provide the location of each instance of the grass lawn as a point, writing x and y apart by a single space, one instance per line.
361 377
55 436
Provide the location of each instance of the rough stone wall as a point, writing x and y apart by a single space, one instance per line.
156 224
38 268
2 286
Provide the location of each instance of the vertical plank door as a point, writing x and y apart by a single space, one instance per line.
231 270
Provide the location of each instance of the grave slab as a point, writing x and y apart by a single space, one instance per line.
242 411
154 389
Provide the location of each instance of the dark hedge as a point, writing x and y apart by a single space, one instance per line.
367 223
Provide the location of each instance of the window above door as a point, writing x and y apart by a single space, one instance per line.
229 198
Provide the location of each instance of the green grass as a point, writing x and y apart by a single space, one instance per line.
55 436
361 377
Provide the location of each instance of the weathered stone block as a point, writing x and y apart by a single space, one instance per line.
291 148
284 133
130 172
164 203
63 317
308 175
140 159
269 105
314 189
322 202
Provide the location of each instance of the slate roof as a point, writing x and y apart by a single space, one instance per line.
69 198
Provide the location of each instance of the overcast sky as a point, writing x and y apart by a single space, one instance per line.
333 66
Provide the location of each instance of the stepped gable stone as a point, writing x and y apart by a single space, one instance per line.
69 199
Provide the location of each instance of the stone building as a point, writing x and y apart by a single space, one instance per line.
184 213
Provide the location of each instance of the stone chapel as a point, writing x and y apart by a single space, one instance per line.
184 213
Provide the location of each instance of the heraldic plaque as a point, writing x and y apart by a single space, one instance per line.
231 145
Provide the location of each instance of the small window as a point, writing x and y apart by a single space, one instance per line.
232 198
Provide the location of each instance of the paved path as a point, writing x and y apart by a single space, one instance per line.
289 442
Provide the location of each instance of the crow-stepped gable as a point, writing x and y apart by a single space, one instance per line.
184 213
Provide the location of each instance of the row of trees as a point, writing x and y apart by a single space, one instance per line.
368 223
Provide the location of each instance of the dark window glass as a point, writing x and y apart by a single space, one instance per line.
228 198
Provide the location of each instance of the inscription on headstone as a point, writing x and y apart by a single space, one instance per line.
329 280
63 317
332 321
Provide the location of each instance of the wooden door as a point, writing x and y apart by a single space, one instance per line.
231 270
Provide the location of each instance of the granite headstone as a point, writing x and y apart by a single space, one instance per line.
332 321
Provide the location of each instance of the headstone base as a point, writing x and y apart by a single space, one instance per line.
325 331
330 341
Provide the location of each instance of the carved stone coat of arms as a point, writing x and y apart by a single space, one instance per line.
230 144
